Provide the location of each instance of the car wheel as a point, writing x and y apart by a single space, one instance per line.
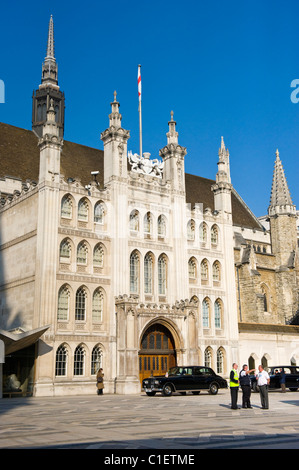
293 389
213 389
150 394
167 390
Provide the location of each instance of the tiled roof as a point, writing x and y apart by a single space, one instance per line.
19 158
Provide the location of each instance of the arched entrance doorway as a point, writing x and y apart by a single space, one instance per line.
157 351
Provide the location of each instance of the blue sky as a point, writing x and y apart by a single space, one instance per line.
224 68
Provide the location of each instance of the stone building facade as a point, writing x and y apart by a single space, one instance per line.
111 259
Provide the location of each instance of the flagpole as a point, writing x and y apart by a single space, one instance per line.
139 109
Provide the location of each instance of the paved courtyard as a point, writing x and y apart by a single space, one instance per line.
142 422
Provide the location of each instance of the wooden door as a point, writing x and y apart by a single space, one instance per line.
157 353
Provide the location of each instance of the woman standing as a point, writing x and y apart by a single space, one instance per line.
100 381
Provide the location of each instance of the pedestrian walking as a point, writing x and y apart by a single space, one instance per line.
234 386
245 384
100 382
263 381
282 380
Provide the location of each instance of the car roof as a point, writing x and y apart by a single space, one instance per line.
206 367
279 367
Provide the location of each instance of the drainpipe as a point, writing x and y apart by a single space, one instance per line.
238 266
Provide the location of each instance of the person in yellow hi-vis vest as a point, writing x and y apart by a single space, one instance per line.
234 386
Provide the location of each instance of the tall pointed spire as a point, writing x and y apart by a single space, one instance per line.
115 117
48 90
172 135
50 48
50 68
280 194
223 187
223 173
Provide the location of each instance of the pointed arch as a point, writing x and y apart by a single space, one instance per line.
83 209
61 360
67 204
148 272
81 304
162 274
134 221
206 312
98 301
63 307
204 271
192 268
214 235
191 230
134 272
99 212
162 224
79 360
99 255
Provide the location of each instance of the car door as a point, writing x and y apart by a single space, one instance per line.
291 377
185 380
206 377
274 377
198 378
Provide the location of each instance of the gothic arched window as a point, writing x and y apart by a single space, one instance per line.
214 235
134 272
83 210
162 275
208 357
98 256
63 303
97 305
217 314
99 213
205 313
216 271
161 226
82 252
61 361
96 359
203 232
204 270
67 207
192 268
134 221
148 274
81 301
148 224
65 250
191 230
79 360
220 361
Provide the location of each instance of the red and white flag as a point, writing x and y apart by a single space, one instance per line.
139 82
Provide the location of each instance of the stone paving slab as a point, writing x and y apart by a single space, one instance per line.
140 422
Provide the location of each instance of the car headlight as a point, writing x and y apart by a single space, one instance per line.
145 382
157 382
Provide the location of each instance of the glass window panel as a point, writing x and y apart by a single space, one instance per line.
151 342
99 213
79 358
158 341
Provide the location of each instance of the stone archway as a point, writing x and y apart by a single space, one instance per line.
157 350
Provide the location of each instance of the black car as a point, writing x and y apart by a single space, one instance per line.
291 378
184 379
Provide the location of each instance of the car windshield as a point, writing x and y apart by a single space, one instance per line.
180 371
